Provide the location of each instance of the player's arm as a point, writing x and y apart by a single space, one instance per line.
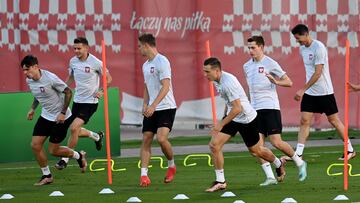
146 98
31 112
284 81
165 83
70 79
108 77
353 88
236 108
67 98
313 79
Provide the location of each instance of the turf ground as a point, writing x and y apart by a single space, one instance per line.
242 172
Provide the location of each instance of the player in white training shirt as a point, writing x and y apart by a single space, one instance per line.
85 70
317 95
263 74
240 117
54 97
159 107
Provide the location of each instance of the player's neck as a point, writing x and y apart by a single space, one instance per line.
258 58
152 54
308 43
84 57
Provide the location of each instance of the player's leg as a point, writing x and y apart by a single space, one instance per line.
304 131
266 167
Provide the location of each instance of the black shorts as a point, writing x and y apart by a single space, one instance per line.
249 132
56 131
319 104
269 121
83 111
162 118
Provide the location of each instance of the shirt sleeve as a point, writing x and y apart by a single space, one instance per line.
320 54
57 83
165 70
277 70
232 91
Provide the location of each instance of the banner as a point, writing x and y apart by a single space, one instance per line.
47 28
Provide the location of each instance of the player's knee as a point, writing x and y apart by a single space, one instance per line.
304 121
214 147
162 140
35 146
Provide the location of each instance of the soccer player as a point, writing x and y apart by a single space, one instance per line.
85 69
317 94
240 117
54 97
263 74
353 87
159 107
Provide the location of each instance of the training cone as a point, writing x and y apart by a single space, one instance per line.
7 196
181 196
228 194
106 191
56 194
289 200
238 201
341 197
133 199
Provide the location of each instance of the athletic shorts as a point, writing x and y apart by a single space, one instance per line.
83 111
249 132
162 118
56 131
269 121
319 104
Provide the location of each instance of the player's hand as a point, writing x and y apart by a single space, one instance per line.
99 94
60 118
352 87
149 111
271 78
216 129
299 95
30 114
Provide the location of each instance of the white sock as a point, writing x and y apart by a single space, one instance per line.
277 162
144 171
220 177
171 163
268 170
94 136
45 170
298 161
299 149
66 159
75 156
350 147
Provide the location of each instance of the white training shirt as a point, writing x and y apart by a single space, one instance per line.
263 93
87 78
230 89
313 55
48 91
154 71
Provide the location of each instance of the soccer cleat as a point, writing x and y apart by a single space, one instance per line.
99 143
287 158
60 165
82 161
269 181
45 180
302 171
170 174
144 181
280 172
350 156
216 186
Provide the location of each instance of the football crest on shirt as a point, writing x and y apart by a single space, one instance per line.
87 69
42 89
261 69
152 69
311 57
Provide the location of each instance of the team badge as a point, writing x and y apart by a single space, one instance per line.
42 89
311 57
87 69
152 69
261 69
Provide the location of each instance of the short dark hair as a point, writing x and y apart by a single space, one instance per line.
81 40
29 60
300 29
213 62
258 39
147 38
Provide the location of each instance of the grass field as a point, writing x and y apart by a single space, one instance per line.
242 172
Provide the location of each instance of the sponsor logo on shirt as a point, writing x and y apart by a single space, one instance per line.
42 89
152 69
87 69
261 69
311 57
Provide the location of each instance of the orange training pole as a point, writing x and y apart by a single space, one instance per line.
346 114
212 94
106 110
